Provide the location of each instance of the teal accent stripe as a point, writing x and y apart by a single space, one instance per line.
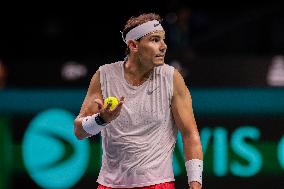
16 101
213 102
238 102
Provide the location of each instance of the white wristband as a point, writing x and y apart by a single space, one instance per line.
90 125
194 168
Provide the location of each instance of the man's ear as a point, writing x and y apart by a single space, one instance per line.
133 45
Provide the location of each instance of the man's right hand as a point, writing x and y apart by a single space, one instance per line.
106 113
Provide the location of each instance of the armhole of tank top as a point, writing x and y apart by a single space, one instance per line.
171 73
102 80
168 71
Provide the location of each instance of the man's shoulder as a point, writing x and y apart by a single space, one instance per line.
111 69
111 65
165 70
117 63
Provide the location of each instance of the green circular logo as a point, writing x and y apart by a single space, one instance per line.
54 158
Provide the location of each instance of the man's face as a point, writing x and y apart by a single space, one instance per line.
152 48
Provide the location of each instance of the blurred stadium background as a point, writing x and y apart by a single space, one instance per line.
231 57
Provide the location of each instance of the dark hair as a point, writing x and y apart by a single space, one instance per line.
138 20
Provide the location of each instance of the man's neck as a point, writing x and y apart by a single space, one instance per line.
137 73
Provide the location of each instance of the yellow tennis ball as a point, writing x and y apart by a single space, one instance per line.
113 100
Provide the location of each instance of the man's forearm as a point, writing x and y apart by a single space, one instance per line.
192 147
193 160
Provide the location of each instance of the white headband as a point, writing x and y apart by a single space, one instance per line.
142 30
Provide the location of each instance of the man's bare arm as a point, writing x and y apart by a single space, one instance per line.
89 106
185 121
93 104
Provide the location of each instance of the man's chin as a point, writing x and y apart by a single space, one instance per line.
159 63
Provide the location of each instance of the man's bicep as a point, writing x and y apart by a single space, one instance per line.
89 106
182 105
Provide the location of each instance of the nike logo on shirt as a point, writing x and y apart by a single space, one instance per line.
149 92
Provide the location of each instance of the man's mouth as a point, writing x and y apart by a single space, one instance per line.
160 55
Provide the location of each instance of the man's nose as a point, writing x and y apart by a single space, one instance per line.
163 46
